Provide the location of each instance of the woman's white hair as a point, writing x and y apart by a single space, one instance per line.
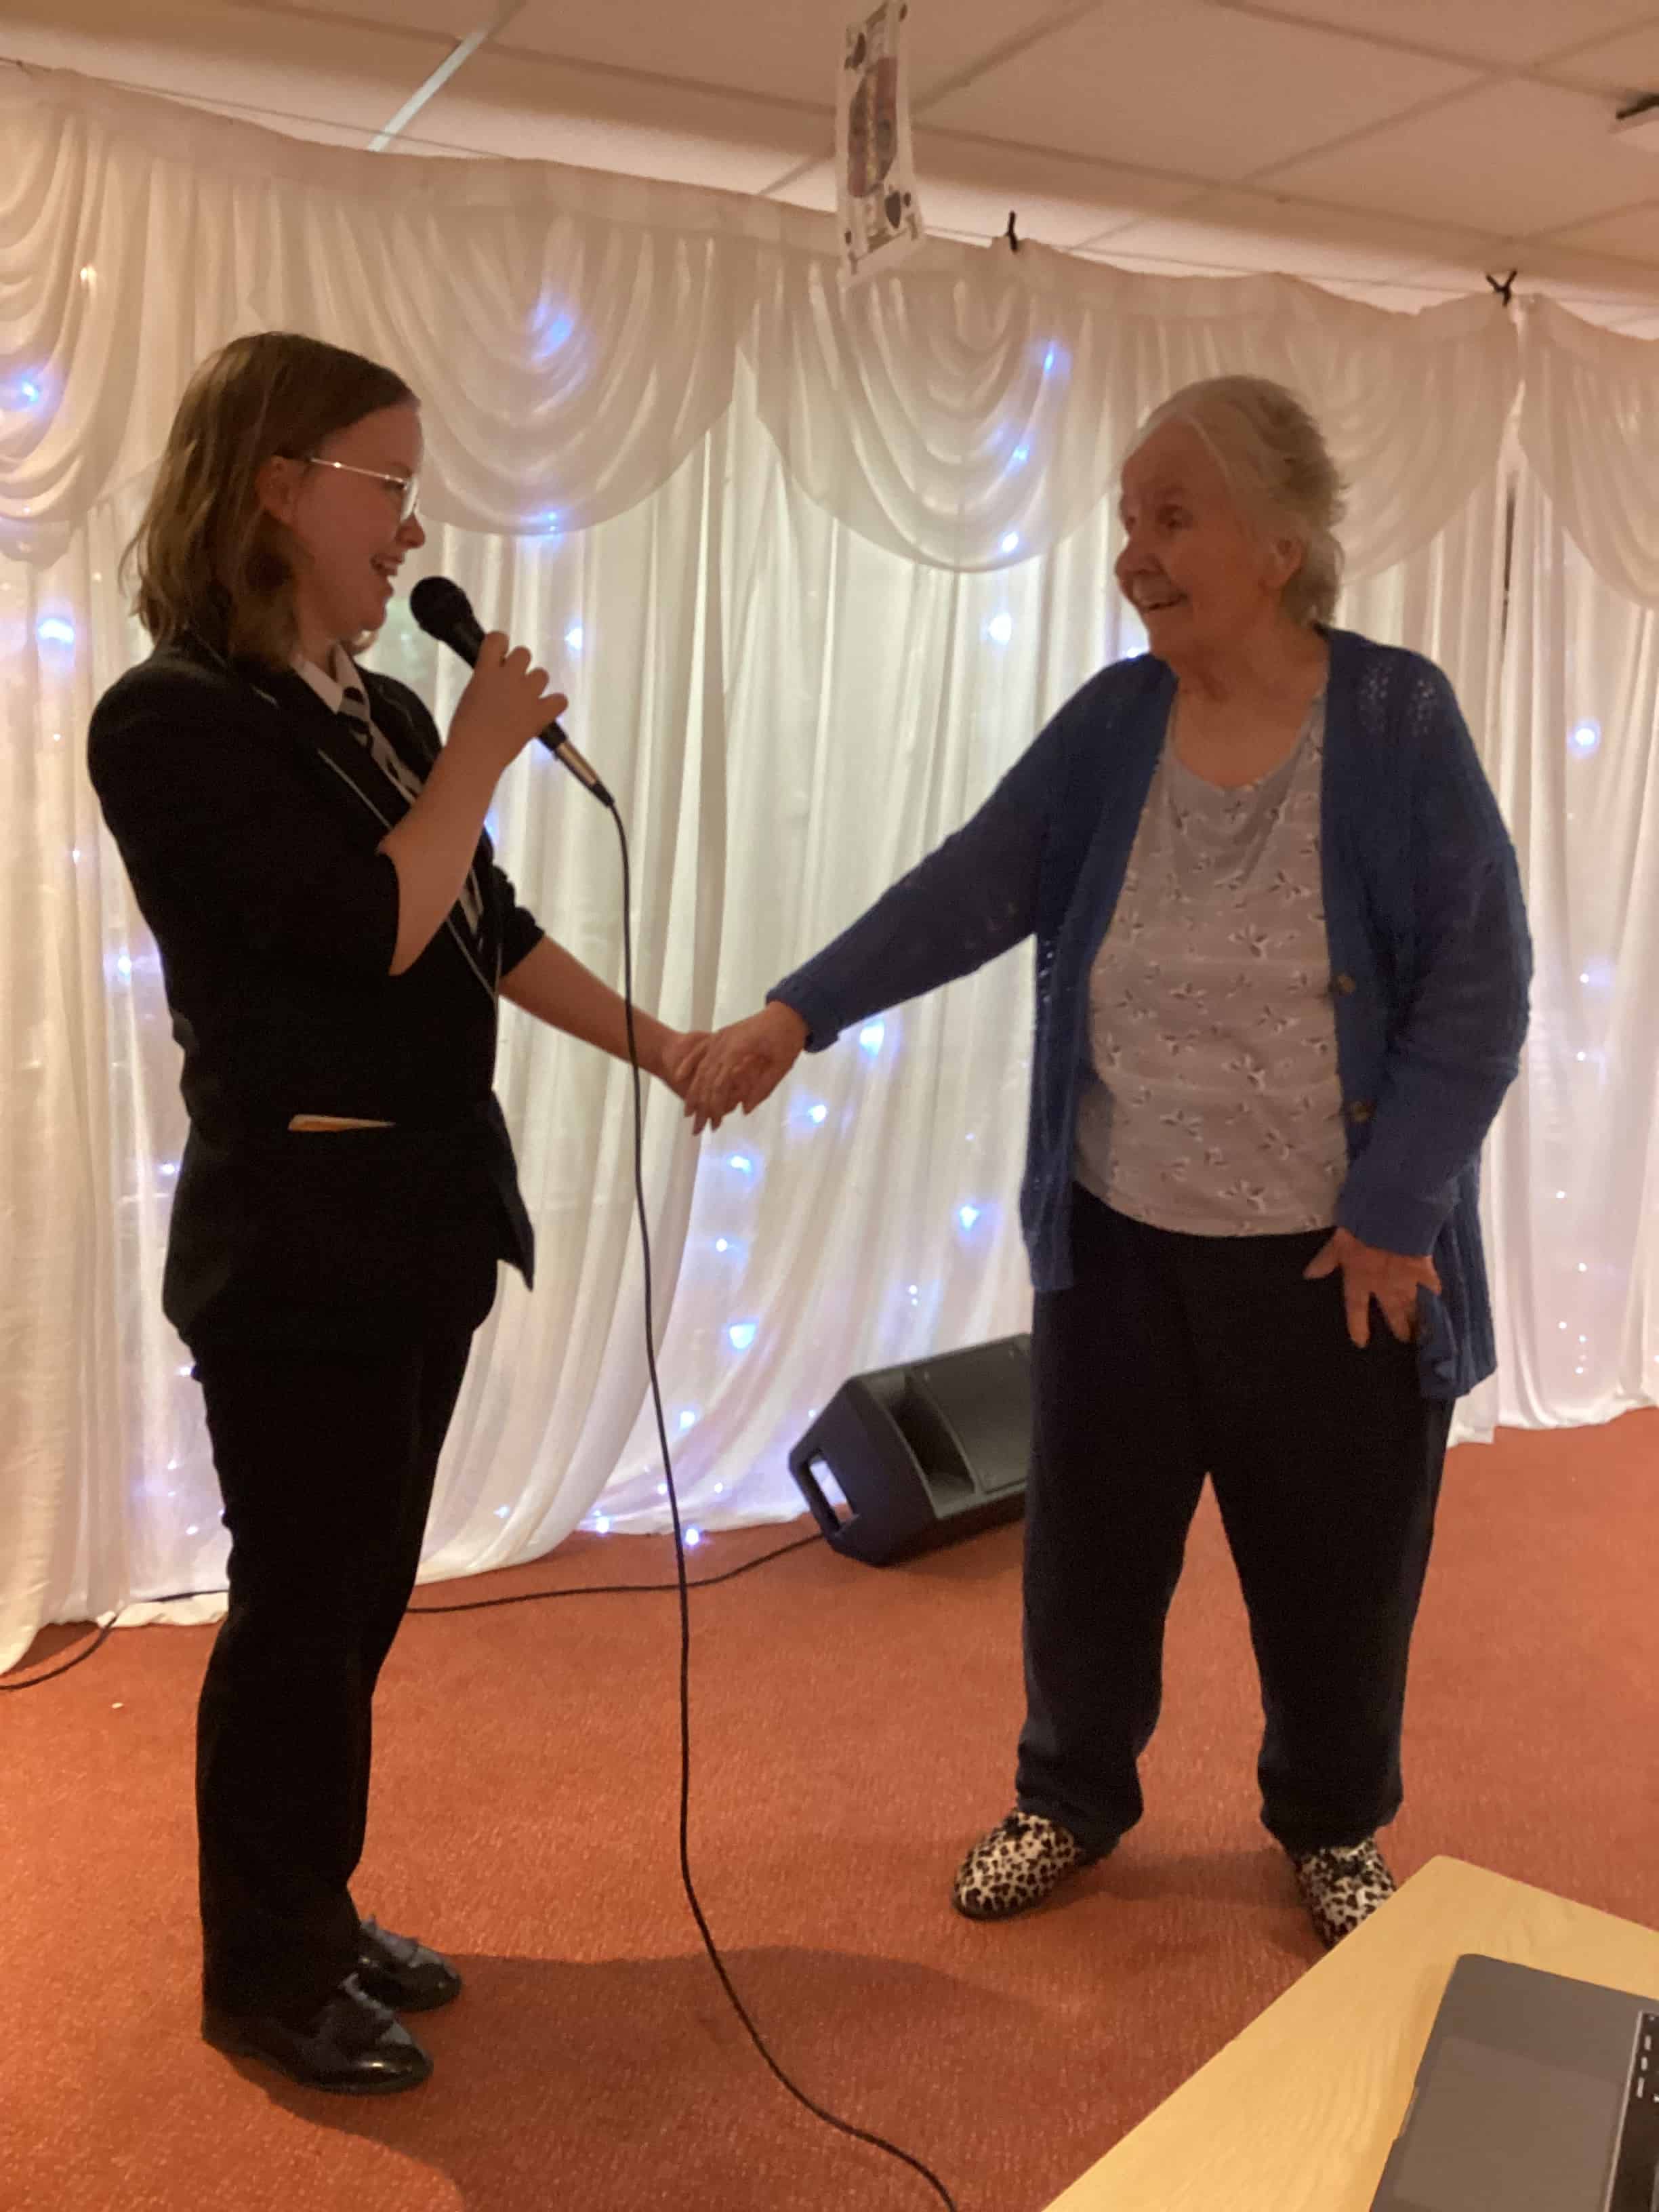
1279 469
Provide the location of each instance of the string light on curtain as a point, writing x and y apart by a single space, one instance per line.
550 330
740 1335
1070 367
999 628
21 395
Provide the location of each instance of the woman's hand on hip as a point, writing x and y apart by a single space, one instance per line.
1392 1278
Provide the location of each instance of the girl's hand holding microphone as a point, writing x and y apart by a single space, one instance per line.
505 704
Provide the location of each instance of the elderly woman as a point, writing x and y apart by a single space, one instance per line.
1282 966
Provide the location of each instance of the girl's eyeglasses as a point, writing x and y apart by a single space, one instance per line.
408 489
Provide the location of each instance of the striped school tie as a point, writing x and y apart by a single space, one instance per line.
354 713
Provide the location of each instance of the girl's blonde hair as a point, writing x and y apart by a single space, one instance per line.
207 559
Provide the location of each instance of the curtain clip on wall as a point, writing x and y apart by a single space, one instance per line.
1010 233
1505 289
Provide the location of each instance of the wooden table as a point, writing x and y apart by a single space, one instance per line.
1298 2114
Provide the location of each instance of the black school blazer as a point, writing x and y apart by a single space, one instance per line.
248 816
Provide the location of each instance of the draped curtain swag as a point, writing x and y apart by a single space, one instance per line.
813 567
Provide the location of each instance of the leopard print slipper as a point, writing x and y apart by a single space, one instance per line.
1342 1887
1016 1866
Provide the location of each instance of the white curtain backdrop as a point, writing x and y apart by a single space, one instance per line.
813 568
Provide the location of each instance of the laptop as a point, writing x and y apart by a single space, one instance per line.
1535 2094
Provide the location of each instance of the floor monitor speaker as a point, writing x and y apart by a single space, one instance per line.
919 1455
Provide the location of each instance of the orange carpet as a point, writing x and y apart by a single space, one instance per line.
853 1730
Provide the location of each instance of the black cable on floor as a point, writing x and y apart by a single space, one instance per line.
468 1605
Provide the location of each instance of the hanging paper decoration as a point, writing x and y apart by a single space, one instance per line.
875 180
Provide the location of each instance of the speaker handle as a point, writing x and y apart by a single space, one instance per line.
801 1460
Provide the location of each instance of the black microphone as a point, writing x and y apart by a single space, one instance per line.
444 612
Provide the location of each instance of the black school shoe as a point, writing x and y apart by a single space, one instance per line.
397 1972
350 2044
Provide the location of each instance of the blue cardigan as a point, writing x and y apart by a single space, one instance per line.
1430 955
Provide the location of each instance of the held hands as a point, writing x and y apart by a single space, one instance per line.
739 1065
504 705
1391 1277
669 1054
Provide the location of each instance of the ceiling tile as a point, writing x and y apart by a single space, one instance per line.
1510 158
790 49
1572 274
1179 85
450 20
1510 34
1634 235
529 110
1616 66
245 59
1252 230
968 186
1152 264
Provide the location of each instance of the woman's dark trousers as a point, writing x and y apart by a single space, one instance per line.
1169 1358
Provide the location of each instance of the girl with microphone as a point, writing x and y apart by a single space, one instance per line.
335 937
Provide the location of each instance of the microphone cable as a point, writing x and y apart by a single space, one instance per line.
817 2111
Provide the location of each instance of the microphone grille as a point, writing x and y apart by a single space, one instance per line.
437 603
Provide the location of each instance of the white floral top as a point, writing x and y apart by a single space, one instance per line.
1217 1109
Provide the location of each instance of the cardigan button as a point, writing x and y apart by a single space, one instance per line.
1360 1110
1346 985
